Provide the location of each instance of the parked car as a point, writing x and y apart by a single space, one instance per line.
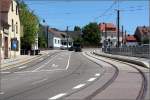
63 48
77 47
71 48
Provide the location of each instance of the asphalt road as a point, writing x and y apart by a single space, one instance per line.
70 76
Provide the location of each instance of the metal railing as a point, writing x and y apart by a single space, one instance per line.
143 52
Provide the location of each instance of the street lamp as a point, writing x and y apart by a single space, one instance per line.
67 36
105 35
46 27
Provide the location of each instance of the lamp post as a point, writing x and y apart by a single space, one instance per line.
67 35
105 40
67 29
14 44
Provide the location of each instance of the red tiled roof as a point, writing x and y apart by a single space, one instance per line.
131 38
5 5
108 27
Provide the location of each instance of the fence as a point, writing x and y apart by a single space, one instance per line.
143 52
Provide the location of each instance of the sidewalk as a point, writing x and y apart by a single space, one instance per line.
139 61
20 60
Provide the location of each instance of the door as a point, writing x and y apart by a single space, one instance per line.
6 47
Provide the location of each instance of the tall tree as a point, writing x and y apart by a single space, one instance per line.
30 25
77 28
91 34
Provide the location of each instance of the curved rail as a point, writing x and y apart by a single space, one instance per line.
143 89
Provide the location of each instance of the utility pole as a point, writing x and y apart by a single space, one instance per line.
118 28
122 33
125 35
47 28
105 31
67 36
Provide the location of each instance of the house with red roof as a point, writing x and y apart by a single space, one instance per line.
142 33
109 34
130 40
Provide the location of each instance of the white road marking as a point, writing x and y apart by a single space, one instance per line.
54 65
22 67
41 59
1 93
68 62
5 72
79 86
97 74
57 96
21 72
44 64
39 81
91 79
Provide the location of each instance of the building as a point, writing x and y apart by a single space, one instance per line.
130 40
9 29
142 33
58 39
109 34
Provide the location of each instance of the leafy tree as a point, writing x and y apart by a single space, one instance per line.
30 25
91 34
78 40
42 41
77 28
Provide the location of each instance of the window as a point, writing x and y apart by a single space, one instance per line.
16 28
55 41
16 10
12 25
12 6
58 41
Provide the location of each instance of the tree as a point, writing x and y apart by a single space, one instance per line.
42 40
77 28
30 25
91 34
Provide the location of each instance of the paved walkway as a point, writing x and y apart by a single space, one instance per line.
21 59
141 61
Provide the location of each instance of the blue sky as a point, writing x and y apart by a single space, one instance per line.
62 13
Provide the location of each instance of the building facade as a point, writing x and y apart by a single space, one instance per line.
130 41
142 33
10 29
58 39
109 34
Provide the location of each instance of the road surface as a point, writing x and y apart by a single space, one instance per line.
68 75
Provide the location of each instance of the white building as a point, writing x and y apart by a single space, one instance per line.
57 39
10 29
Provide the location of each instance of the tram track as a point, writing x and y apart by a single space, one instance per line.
144 85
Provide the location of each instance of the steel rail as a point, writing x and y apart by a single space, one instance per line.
108 83
144 84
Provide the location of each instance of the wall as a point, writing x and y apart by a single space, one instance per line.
13 34
57 42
